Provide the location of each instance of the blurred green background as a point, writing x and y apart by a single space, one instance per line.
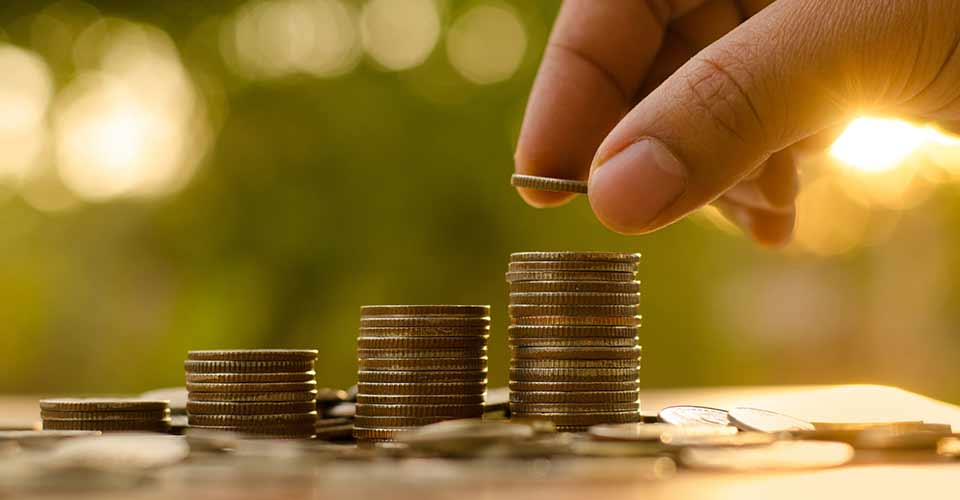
194 175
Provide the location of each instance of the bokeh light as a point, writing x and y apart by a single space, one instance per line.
25 93
876 144
131 123
400 34
274 39
486 44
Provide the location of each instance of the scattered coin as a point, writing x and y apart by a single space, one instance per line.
780 455
103 404
573 363
548 184
680 438
473 342
397 322
444 399
440 364
574 298
693 415
579 256
755 419
197 366
401 376
573 342
425 310
254 355
560 332
420 410
583 418
587 276
579 353
47 439
633 321
425 388
415 353
573 265
230 408
517 311
574 397
524 408
577 286
654 432
235 378
253 397
253 420
195 387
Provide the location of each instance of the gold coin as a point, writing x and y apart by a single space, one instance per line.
440 364
150 415
421 376
298 430
199 366
195 387
548 184
426 332
574 298
103 404
613 276
628 396
627 353
406 410
571 310
575 255
474 342
556 286
572 265
230 408
456 399
421 353
377 434
438 388
633 321
574 374
394 422
574 363
573 342
108 425
574 386
254 355
254 420
253 397
243 378
425 310
582 418
562 332
523 408
408 322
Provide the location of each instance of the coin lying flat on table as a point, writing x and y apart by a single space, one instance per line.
573 265
425 310
198 366
693 415
254 355
195 387
425 389
548 184
573 298
780 455
103 404
253 397
580 353
243 378
428 343
654 432
268 408
575 255
514 277
401 376
573 397
561 332
556 286
755 419
572 342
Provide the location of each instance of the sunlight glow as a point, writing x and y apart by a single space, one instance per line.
879 145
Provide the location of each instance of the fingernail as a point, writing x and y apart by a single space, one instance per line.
629 190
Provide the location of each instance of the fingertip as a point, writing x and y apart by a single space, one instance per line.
772 230
544 199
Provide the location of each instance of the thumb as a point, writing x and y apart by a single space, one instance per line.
796 68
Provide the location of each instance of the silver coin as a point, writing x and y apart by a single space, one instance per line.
756 419
693 415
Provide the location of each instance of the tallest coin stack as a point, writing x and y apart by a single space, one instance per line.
574 357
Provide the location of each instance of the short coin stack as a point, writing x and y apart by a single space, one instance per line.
262 392
573 338
419 365
105 414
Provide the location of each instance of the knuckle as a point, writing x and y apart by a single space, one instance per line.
721 93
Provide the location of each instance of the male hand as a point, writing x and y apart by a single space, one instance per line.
667 105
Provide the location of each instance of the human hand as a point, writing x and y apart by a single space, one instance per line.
668 105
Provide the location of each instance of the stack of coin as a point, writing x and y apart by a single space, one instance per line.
573 338
262 392
419 365
105 414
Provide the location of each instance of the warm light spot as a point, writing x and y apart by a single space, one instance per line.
879 145
487 43
132 125
828 221
26 89
279 38
400 34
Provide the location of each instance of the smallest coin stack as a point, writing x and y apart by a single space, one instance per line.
105 414
419 365
268 393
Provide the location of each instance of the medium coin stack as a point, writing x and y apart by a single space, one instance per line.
103 414
573 338
419 365
263 392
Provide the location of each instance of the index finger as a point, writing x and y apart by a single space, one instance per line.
593 66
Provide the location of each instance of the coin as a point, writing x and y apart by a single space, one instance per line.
334 432
376 422
299 430
573 397
574 375
422 376
411 332
395 322
253 387
414 354
548 184
693 415
630 385
243 378
444 399
556 286
407 410
582 418
377 434
574 363
576 321
780 455
574 298
471 364
327 397
103 404
654 432
556 332
252 420
425 310
104 415
474 342
755 419
418 389
107 425
229 408
197 366
254 355
253 397
519 310
578 353
524 408
575 255
572 265
679 438
515 277
573 342
345 409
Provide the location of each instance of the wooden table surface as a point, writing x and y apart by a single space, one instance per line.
560 479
